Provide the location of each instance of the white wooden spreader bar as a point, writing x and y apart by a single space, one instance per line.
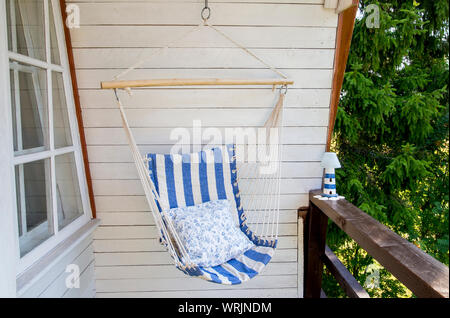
193 82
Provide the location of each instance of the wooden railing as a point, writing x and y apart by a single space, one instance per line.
418 271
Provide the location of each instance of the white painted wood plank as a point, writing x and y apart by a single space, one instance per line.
330 4
127 171
58 287
145 218
202 1
144 118
288 185
45 281
134 187
202 58
161 136
166 284
305 153
139 203
156 13
127 245
163 258
150 232
344 5
303 78
122 154
265 292
160 36
170 271
86 289
153 245
90 290
205 98
125 232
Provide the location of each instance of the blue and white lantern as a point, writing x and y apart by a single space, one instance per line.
330 162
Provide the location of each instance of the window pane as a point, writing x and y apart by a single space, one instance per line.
54 49
26 28
14 109
61 123
9 24
29 107
34 204
67 190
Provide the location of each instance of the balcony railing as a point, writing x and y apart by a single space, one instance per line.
418 271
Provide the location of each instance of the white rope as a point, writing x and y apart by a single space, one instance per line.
272 122
262 215
280 156
277 122
265 187
168 45
246 50
252 175
153 197
184 35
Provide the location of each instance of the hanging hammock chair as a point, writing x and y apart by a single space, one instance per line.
252 190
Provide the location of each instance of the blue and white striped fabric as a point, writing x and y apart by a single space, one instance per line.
191 179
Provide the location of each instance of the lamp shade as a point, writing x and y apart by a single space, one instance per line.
330 160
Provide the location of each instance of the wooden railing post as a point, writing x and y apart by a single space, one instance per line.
315 240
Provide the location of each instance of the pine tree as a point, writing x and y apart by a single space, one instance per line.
392 134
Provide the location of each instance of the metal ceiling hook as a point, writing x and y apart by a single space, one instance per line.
206 12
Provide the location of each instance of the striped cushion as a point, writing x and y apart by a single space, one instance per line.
237 270
191 179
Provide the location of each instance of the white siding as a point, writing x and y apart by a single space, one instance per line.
52 283
297 36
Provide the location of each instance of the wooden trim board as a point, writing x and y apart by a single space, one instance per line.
76 98
343 41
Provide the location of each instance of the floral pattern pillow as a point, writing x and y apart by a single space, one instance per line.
209 233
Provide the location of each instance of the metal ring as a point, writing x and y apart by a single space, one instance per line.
285 89
206 9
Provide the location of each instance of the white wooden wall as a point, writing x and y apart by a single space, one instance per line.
52 283
297 36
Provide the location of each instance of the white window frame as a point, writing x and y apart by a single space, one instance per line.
29 156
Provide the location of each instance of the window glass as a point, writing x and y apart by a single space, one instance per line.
54 48
67 190
29 108
26 27
61 124
34 204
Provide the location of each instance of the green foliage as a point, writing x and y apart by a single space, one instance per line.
392 136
